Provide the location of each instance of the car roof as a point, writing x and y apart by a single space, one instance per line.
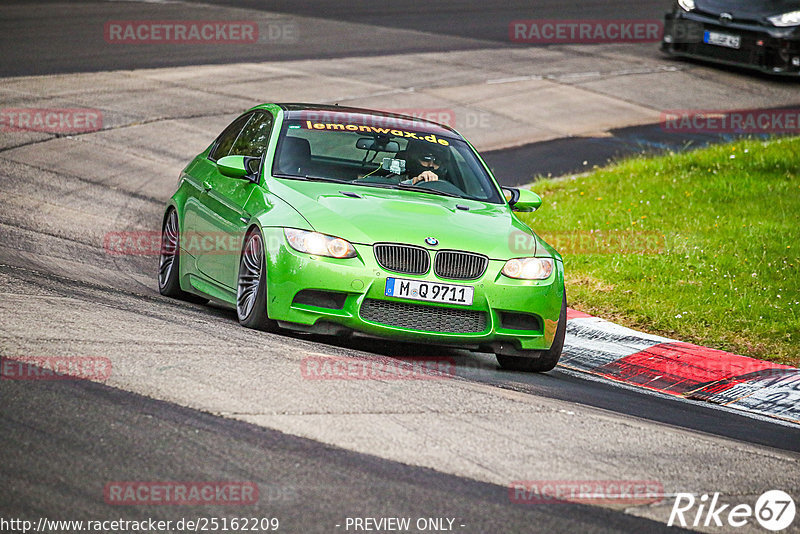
360 116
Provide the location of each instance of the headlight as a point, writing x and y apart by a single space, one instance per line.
787 19
686 5
319 244
528 268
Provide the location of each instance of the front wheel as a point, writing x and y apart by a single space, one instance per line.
251 286
547 359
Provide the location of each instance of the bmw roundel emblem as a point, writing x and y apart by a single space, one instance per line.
432 241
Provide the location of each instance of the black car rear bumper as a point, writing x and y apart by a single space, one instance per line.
767 49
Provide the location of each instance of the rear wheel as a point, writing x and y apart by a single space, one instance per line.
251 286
169 262
547 359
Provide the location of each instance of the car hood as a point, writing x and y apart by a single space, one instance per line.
747 9
391 215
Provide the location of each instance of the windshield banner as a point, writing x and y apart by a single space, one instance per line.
431 138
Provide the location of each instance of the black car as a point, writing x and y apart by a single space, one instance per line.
757 34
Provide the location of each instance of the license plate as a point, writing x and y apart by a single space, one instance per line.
722 39
429 291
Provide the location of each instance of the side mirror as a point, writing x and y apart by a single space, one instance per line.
522 199
239 167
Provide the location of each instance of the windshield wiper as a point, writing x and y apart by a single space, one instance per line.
407 187
312 178
427 190
324 179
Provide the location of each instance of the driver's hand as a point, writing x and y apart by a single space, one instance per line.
425 176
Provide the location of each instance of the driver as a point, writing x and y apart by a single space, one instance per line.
425 162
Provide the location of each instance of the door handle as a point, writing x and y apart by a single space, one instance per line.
207 186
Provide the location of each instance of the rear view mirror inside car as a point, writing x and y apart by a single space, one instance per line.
379 145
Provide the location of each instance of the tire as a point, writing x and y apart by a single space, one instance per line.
169 262
547 359
251 286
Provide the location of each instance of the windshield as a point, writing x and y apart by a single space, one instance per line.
374 156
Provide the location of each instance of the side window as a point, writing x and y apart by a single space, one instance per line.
254 137
228 137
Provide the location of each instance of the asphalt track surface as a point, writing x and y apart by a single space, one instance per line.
51 37
199 398
48 37
92 434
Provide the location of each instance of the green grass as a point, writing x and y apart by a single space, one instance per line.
719 227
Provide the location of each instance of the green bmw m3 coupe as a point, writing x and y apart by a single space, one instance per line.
336 220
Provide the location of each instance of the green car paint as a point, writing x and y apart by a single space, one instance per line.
218 202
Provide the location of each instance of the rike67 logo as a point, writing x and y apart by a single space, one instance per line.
774 510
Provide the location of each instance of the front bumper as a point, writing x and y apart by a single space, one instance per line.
359 304
766 49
